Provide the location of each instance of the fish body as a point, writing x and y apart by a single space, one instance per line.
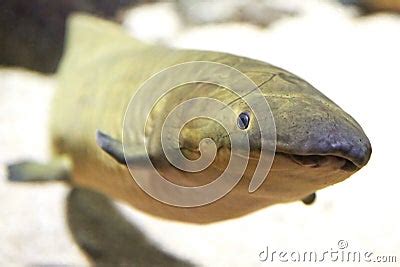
317 143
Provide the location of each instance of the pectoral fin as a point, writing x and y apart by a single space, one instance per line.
115 149
111 146
308 200
32 171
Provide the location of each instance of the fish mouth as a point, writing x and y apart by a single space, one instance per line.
315 161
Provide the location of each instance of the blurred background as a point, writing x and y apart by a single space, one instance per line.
348 49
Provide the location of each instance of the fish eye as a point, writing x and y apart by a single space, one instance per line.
243 120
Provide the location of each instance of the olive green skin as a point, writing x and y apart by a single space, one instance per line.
103 67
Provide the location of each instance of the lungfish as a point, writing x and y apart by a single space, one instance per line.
317 143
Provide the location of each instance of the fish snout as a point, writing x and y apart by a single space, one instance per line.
310 127
332 132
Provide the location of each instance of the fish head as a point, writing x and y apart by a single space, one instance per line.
316 143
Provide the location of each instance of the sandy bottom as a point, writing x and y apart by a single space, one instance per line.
354 61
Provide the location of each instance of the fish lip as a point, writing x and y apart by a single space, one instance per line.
315 161
310 160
